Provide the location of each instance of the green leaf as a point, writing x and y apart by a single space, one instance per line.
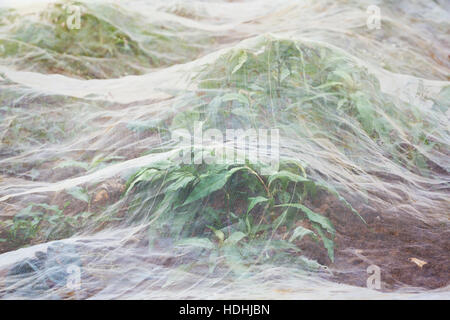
345 76
287 175
236 96
53 208
324 222
365 111
248 224
27 213
241 61
309 264
254 201
206 186
300 232
143 175
219 234
209 184
79 193
162 165
234 238
328 243
181 182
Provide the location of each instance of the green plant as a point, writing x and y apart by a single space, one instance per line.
310 91
43 222
241 208
110 41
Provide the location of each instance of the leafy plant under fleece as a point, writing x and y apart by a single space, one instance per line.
318 99
237 206
110 42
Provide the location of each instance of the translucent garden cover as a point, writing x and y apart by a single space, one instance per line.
96 176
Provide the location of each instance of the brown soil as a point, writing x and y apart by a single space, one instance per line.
409 252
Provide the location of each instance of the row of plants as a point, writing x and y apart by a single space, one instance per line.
40 222
108 40
312 94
